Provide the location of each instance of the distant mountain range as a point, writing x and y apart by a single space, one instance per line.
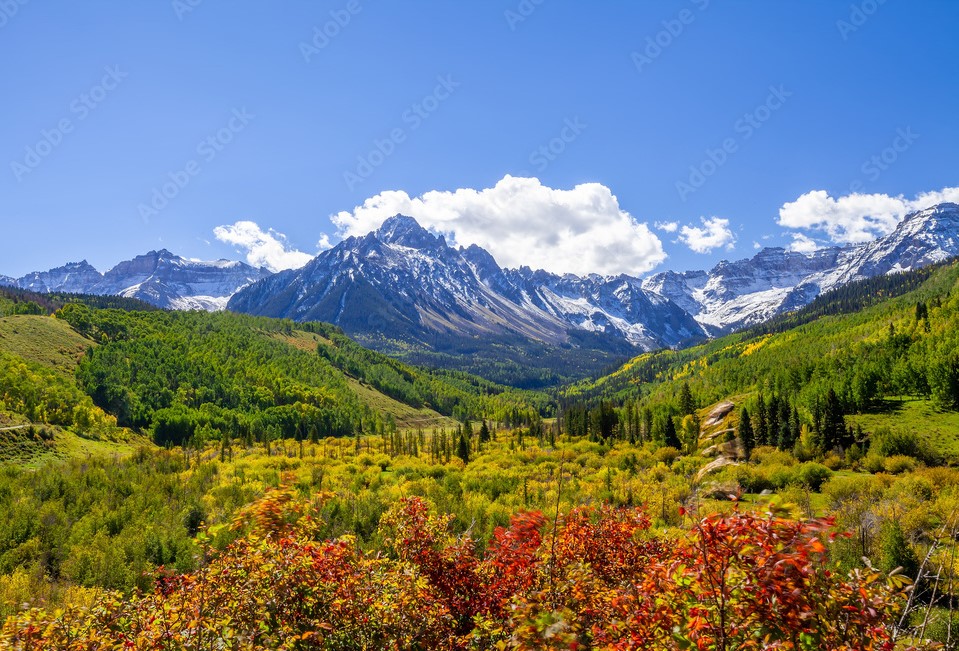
736 294
403 287
158 277
403 282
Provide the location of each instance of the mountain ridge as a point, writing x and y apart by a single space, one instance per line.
427 285
666 309
733 295
158 277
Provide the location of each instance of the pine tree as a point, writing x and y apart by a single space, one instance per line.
670 437
484 433
833 423
772 421
746 436
762 425
687 405
463 448
784 437
794 429
604 420
646 433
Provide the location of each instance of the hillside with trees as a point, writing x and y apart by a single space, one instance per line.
838 366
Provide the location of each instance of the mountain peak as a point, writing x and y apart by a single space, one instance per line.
937 210
406 231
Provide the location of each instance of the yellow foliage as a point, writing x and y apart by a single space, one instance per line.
756 345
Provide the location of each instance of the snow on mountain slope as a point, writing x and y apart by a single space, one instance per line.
73 277
737 294
405 282
158 277
167 280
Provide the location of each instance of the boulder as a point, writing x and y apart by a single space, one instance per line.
714 466
719 412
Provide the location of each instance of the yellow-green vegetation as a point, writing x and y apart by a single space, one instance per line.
33 446
43 340
806 420
67 379
823 376
178 378
44 415
405 416
105 521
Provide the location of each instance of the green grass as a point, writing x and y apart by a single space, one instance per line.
406 417
36 445
939 428
43 340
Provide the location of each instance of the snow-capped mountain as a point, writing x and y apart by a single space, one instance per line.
158 277
407 283
737 294
73 277
167 280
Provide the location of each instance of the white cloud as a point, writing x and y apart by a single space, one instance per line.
856 218
803 244
667 227
522 222
757 245
263 248
713 234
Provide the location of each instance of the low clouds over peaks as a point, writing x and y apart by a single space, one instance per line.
855 218
520 221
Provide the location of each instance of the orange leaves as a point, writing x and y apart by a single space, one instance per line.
604 581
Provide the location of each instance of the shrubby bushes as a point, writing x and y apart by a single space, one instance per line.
773 470
600 579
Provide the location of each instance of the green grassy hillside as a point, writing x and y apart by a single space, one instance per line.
43 340
404 415
44 415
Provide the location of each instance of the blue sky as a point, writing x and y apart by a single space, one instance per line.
281 115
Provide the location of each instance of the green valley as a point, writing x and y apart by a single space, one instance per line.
140 438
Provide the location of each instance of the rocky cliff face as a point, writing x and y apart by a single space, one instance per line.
73 277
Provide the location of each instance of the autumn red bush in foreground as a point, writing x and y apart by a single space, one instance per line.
603 581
